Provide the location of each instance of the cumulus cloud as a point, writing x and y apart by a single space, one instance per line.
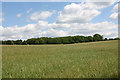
73 20
81 13
114 16
100 4
41 15
92 28
42 28
19 15
54 33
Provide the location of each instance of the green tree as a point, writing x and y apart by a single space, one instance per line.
9 42
36 41
18 42
105 39
41 41
65 40
116 39
97 37
24 42
90 38
81 38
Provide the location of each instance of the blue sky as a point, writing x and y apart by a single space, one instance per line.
58 17
11 9
105 13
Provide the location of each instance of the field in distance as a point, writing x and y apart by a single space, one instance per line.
82 60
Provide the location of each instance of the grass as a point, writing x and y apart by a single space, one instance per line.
83 60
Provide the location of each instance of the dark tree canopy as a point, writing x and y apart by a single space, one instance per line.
97 37
57 40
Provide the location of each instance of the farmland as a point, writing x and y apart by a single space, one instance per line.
82 60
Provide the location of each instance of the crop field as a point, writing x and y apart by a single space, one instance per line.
82 60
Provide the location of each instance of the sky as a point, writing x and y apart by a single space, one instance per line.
24 20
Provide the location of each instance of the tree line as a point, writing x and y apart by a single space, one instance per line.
57 40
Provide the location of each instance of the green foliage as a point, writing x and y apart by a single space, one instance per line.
36 41
8 42
41 41
24 42
18 42
105 39
57 40
111 39
116 39
97 37
90 38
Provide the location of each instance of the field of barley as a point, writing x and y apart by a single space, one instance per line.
82 60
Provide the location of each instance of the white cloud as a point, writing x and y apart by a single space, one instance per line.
54 33
100 4
114 16
41 15
73 20
19 15
23 32
78 13
92 28
82 12
42 28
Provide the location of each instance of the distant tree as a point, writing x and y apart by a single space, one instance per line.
65 40
90 38
36 41
81 39
3 42
45 40
86 39
76 39
116 39
57 40
97 37
31 41
105 39
41 41
49 41
111 39
71 39
12 43
18 42
9 42
24 42
0 42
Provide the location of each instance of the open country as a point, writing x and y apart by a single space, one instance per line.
59 39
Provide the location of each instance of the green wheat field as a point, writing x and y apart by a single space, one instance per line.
82 60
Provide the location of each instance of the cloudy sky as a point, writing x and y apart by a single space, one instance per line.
23 20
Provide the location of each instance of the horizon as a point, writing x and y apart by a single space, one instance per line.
62 37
